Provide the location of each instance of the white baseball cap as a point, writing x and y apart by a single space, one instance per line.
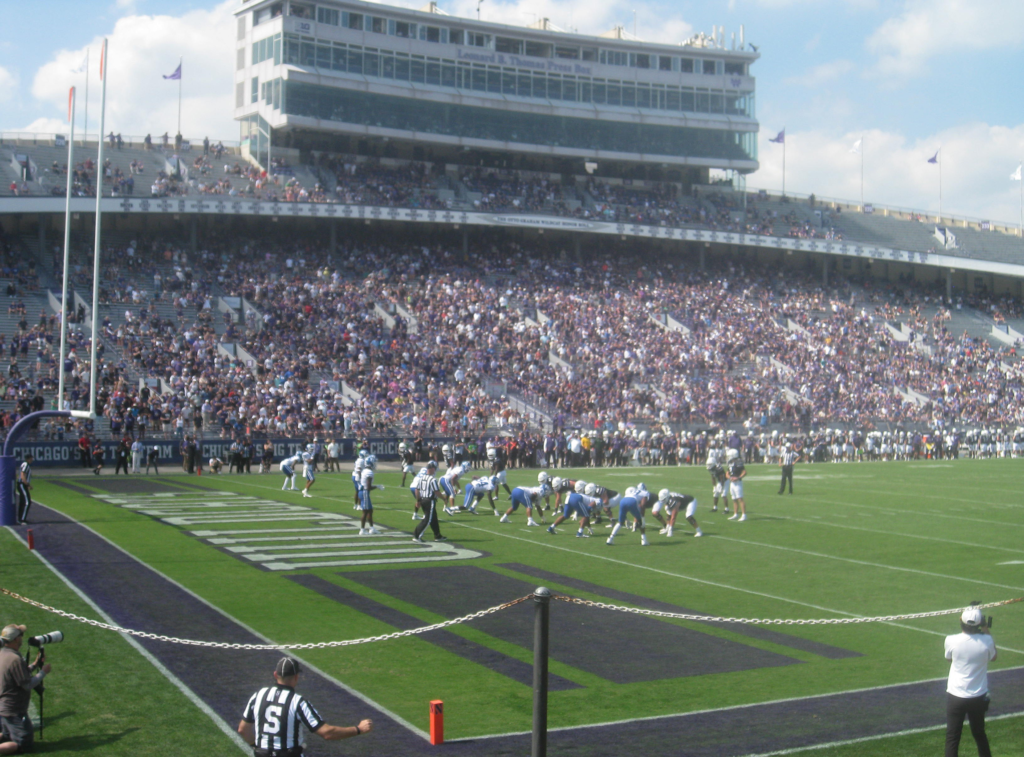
972 616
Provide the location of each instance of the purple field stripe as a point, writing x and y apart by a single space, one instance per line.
753 632
517 670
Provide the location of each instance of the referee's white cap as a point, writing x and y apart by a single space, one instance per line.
288 667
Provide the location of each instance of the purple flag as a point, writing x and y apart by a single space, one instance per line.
780 139
176 74
934 158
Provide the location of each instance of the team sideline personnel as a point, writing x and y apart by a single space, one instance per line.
272 718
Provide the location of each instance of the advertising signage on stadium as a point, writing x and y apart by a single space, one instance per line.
65 454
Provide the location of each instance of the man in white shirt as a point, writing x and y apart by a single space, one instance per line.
967 690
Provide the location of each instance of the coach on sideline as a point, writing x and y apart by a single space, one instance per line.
16 684
272 719
967 690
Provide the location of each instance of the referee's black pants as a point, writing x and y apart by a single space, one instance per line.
429 509
24 502
975 709
787 475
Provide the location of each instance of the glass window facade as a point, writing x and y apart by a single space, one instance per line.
361 108
309 52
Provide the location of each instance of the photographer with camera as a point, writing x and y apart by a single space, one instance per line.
16 685
967 691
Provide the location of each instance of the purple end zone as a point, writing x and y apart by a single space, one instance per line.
580 637
517 670
741 629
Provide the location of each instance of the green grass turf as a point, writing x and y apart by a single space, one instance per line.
102 697
869 539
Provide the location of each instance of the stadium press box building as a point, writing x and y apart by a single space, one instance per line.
363 78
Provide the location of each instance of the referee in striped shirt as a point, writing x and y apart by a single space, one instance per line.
426 496
273 718
786 461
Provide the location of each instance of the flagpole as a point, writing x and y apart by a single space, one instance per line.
940 185
1020 171
783 167
85 126
179 94
94 357
67 251
862 147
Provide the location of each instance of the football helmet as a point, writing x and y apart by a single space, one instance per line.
542 477
371 462
732 455
403 447
590 490
581 486
556 483
663 495
631 491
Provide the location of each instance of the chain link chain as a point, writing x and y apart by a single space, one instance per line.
490 611
776 621
255 647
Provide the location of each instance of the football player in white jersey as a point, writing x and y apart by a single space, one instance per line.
672 503
449 484
366 486
357 473
308 463
719 481
476 490
529 497
288 469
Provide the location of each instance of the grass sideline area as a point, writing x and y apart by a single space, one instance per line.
103 697
868 539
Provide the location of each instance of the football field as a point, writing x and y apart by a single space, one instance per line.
234 559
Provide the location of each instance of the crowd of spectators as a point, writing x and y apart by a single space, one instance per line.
425 340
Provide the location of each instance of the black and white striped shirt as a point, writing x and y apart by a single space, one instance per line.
26 474
277 712
789 457
426 487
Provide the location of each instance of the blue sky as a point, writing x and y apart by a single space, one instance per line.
909 75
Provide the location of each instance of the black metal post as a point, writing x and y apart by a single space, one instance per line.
542 606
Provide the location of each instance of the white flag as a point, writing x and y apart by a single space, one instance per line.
856 145
82 66
1015 176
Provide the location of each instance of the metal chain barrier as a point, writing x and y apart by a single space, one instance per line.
776 621
490 611
254 647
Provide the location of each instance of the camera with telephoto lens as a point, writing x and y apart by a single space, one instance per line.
984 621
47 638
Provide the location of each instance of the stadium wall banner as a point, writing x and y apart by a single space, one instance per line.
65 454
251 207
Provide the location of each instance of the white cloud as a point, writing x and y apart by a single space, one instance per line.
926 28
48 125
142 49
977 160
8 85
823 74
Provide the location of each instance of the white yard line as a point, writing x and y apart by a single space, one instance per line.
866 563
401 721
895 533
